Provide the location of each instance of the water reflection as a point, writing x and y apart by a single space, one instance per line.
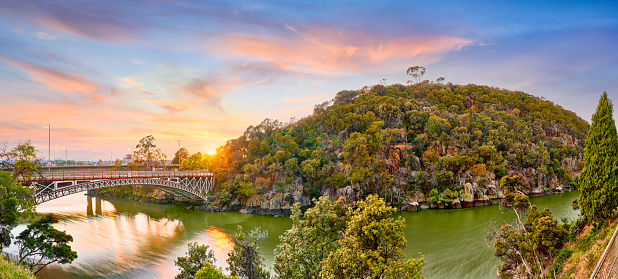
117 238
112 240
220 242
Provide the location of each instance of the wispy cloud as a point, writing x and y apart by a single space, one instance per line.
322 51
45 36
131 82
102 21
53 79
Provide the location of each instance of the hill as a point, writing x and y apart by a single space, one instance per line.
427 144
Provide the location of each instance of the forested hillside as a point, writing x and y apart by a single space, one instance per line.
428 143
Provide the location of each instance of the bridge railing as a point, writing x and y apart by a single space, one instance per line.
607 267
98 175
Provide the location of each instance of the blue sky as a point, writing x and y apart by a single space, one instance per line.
105 74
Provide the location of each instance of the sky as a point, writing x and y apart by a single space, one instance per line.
104 74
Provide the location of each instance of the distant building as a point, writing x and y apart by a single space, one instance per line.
127 159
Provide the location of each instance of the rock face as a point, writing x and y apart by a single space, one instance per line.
272 203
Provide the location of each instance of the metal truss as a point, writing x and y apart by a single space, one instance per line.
187 187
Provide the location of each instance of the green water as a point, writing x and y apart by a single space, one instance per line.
123 239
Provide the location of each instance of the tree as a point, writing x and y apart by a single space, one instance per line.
527 248
416 72
148 154
372 245
210 272
599 178
180 155
21 160
244 259
193 162
40 244
245 190
206 163
117 165
345 97
14 203
196 257
14 198
310 240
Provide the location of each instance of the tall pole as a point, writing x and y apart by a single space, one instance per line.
49 147
66 156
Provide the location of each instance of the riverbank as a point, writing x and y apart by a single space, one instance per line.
119 238
277 204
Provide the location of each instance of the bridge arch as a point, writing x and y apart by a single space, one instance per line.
191 188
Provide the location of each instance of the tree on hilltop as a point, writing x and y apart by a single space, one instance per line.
416 72
598 179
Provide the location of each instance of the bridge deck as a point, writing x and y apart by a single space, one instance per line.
104 175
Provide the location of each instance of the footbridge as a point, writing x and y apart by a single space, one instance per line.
192 185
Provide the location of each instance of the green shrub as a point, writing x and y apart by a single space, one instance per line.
11 270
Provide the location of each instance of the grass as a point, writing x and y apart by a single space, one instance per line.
11 270
580 255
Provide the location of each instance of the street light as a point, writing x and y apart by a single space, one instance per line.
48 126
179 157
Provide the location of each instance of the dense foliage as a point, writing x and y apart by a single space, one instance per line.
393 140
310 239
196 257
371 246
208 271
13 204
14 201
11 270
599 178
331 241
244 259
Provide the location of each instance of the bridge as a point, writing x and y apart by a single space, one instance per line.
192 185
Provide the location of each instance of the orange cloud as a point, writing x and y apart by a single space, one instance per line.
170 106
322 51
52 78
131 82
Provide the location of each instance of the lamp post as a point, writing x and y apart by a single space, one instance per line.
48 126
66 156
179 157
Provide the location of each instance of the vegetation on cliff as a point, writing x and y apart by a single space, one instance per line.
441 143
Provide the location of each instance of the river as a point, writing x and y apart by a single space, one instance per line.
116 238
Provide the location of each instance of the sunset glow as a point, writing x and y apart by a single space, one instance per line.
106 74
